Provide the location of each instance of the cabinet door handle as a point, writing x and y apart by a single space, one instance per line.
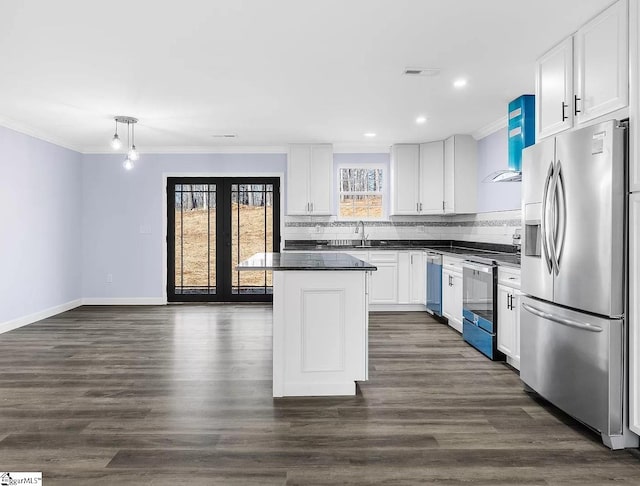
311 207
564 113
411 259
443 205
420 207
575 105
509 304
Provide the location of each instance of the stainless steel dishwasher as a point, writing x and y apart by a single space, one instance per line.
434 283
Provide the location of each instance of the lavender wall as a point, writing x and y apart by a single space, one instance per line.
123 217
493 156
40 211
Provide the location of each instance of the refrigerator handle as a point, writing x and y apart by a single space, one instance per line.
562 216
561 320
553 233
543 222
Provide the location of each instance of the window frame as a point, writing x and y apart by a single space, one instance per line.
384 192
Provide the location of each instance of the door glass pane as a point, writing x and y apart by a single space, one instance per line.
252 232
195 239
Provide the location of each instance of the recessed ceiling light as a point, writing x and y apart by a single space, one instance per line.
370 134
421 119
460 83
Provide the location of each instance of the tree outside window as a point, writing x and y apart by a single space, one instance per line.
361 193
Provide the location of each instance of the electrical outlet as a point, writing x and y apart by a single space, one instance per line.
109 278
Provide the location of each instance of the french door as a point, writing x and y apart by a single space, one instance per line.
214 223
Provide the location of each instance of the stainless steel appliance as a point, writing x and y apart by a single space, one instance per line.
573 330
479 307
434 283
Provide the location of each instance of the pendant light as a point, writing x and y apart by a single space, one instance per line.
116 143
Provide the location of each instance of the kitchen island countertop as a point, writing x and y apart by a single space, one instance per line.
313 260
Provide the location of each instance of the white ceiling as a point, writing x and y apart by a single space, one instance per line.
272 72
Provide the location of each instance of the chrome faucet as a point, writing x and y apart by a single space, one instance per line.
363 238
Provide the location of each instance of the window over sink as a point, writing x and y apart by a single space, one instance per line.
361 192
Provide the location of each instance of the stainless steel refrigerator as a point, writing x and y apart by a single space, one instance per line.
573 329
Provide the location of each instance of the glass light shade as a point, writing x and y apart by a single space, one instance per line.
133 153
127 164
115 142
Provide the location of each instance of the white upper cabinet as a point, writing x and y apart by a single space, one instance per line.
554 90
602 64
310 179
432 177
321 179
298 166
586 76
460 174
405 169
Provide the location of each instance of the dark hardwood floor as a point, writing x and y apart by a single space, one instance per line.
182 395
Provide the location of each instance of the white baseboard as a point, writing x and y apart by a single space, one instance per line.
318 389
38 316
124 301
397 308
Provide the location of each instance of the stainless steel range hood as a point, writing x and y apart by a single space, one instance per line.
506 175
521 134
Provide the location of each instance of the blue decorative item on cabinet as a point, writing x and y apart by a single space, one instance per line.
521 128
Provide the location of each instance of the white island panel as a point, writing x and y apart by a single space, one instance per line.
323 330
320 332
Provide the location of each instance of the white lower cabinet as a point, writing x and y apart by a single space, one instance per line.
417 277
411 277
509 315
404 277
452 292
383 286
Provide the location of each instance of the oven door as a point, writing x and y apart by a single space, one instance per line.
478 286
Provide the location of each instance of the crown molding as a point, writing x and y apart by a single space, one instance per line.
490 128
32 132
340 148
219 149
354 148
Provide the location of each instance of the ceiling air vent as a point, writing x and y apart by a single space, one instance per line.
416 71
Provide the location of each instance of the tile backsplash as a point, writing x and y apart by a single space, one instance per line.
494 227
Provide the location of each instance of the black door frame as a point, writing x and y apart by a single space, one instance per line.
223 237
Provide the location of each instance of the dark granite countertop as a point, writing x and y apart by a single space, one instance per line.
314 260
482 252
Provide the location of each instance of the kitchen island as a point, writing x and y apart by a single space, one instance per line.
320 321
